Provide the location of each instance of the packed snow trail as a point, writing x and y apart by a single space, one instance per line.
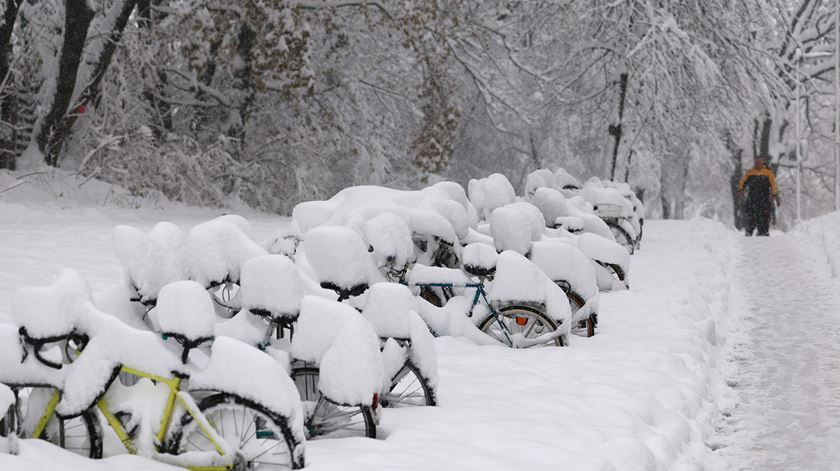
788 383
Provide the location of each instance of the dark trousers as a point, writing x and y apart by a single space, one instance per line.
757 218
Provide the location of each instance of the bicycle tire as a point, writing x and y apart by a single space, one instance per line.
510 312
349 421
622 237
221 411
404 393
576 302
82 434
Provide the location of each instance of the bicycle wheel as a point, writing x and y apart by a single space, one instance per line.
622 237
523 322
585 327
326 419
264 442
82 434
408 388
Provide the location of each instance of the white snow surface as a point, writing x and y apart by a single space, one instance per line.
241 369
152 260
490 193
338 255
390 237
351 370
273 283
53 310
563 262
639 395
219 249
781 412
185 308
387 309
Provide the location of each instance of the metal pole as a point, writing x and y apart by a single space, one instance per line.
837 105
798 136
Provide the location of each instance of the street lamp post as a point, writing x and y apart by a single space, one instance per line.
798 135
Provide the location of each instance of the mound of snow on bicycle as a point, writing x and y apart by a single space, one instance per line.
326 329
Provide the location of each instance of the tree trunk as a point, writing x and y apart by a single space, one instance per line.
92 92
244 76
666 206
50 135
153 93
7 107
736 153
615 129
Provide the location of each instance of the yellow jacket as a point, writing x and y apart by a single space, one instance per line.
763 172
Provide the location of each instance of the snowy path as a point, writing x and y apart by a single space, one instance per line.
788 386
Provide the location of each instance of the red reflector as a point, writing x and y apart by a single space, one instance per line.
375 404
521 320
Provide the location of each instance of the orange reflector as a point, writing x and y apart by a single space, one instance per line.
521 320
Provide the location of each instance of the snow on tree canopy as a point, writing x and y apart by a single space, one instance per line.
271 283
338 256
490 193
264 380
185 308
351 370
563 262
387 308
219 249
152 260
53 310
390 238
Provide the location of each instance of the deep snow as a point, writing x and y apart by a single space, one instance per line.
639 395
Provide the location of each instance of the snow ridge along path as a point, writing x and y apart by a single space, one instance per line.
788 386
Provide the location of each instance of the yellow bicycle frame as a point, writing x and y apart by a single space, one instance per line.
166 420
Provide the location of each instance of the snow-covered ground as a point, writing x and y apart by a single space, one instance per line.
785 413
642 394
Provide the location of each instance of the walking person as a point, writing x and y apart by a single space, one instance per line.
758 191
